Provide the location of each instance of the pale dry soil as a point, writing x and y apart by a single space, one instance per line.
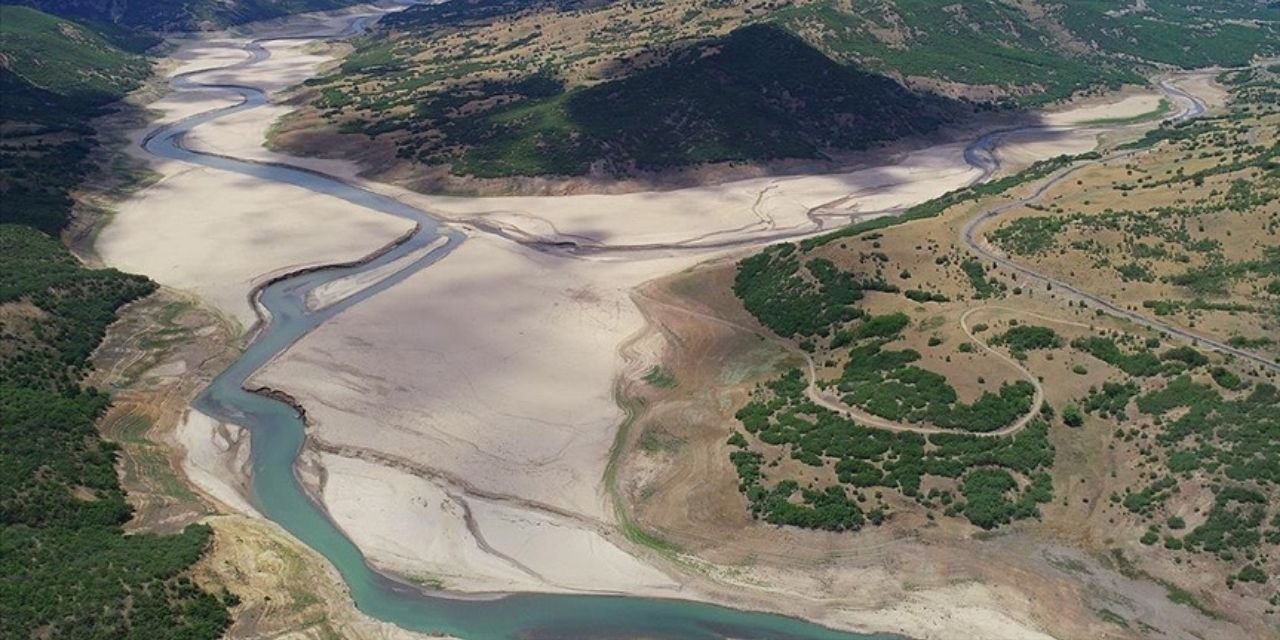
485 384
154 359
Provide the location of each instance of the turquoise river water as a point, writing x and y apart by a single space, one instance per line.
278 433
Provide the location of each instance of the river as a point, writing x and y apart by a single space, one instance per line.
278 434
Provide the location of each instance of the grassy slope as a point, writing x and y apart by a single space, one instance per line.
65 58
179 15
70 572
637 96
1184 33
1187 428
986 42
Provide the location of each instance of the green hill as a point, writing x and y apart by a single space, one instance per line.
70 570
758 93
52 69
55 76
982 43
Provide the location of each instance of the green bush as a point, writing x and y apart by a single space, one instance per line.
1071 416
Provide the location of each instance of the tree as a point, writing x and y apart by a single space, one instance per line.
1071 416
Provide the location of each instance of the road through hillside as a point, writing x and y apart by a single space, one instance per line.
976 243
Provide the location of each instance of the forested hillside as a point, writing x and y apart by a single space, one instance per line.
565 87
1147 446
55 76
69 569
178 15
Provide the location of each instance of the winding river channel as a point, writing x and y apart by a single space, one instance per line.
278 432
278 435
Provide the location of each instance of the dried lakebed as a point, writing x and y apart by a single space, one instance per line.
288 306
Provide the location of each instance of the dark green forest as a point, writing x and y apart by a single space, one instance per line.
57 76
176 15
757 93
68 568
869 461
805 79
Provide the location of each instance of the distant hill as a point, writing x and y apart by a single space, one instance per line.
571 87
55 75
54 69
757 93
178 15
70 570
1035 51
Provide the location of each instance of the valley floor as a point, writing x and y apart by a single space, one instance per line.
462 423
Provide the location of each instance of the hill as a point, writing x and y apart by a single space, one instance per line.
71 572
54 69
894 379
56 75
756 93
178 15
574 87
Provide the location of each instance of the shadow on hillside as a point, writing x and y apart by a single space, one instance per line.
759 94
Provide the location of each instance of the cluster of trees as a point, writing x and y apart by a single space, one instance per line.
1229 444
919 295
1111 399
987 497
791 299
1029 236
1233 525
1214 278
1142 363
52 348
781 419
69 569
983 286
1027 337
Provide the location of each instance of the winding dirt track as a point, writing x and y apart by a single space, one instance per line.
974 240
980 154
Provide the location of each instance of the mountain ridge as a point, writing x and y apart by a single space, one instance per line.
446 88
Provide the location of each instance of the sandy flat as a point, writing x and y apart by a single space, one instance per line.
216 456
962 611
1203 86
495 367
1022 149
289 65
417 528
758 208
218 234
337 290
1128 107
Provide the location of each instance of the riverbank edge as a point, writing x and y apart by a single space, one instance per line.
258 288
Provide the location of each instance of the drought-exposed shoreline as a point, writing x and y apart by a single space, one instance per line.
515 316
